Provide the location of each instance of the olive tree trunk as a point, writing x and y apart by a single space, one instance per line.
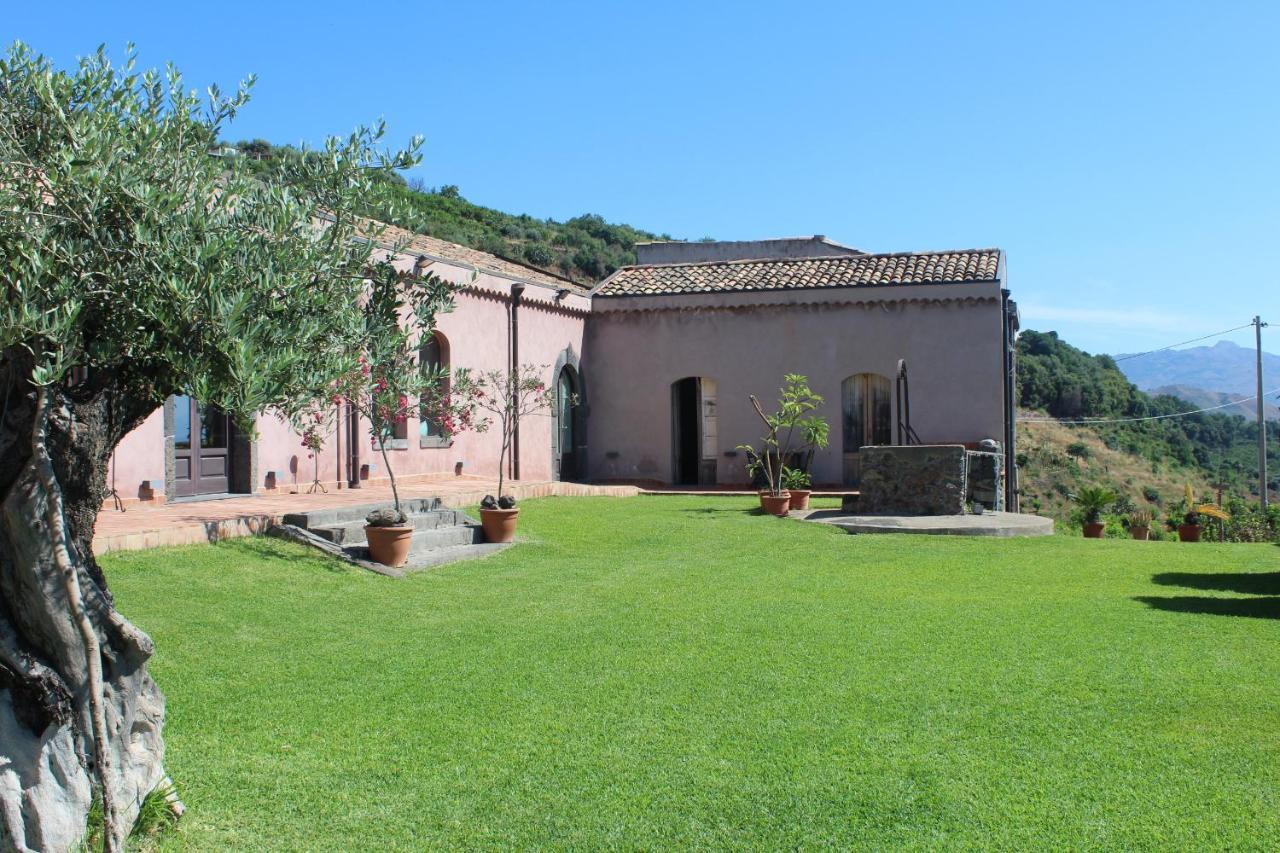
51 763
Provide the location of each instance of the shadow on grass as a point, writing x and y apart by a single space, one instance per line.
1249 583
266 550
1267 607
711 510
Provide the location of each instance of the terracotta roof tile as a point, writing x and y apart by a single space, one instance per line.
956 267
421 244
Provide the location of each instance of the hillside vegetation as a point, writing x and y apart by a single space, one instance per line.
584 249
1147 462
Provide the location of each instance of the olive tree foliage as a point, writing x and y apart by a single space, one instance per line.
136 262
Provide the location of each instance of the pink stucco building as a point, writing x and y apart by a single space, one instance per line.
653 368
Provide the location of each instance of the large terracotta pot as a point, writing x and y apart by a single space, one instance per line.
389 545
800 498
1094 530
499 524
1140 533
775 504
1189 532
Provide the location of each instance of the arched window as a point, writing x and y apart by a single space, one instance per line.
433 358
866 418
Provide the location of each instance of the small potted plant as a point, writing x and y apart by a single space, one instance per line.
1139 524
508 395
1093 501
1191 529
799 486
796 405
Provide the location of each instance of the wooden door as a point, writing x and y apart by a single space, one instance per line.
866 403
201 448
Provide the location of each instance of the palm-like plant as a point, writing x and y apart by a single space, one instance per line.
1093 501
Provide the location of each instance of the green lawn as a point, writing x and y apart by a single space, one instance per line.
678 671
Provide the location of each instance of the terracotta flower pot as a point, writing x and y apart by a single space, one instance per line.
389 545
775 504
1189 532
499 524
1140 533
800 498
1094 530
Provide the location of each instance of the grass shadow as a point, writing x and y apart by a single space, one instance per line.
1267 607
266 549
1247 583
711 510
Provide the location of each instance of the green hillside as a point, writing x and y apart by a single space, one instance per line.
1145 461
584 249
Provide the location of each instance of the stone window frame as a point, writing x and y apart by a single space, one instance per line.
427 441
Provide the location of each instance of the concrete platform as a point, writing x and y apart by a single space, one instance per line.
1002 524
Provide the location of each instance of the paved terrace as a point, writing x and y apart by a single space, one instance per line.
145 525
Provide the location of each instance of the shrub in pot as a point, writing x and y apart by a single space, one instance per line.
796 405
389 536
1191 529
799 486
1092 501
507 395
1139 524
498 518
399 309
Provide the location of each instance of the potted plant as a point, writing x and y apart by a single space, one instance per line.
1139 524
799 486
508 395
1093 500
796 405
813 437
1191 529
399 309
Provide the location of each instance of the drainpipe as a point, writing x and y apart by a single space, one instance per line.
517 291
1007 329
353 446
337 443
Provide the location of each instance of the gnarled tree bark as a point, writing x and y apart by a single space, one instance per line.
48 770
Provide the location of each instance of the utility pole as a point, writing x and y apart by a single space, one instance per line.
1262 421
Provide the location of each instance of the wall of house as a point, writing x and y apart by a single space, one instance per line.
476 332
638 346
139 460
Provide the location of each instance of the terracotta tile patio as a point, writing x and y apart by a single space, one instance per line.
145 525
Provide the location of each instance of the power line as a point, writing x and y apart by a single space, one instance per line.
1248 325
1091 421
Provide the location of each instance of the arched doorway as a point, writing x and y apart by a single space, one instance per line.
865 409
567 427
694 432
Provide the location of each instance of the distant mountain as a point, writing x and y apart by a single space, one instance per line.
1224 368
1202 398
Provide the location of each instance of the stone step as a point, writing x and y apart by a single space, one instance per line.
351 532
344 514
426 542
439 535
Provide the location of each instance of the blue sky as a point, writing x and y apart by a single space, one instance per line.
1123 154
